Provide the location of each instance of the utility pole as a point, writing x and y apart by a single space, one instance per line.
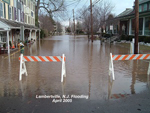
136 26
91 21
74 22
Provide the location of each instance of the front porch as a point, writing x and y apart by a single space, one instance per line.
12 33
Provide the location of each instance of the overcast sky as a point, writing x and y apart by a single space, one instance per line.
120 6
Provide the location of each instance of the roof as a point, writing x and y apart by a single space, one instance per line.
14 24
125 13
143 1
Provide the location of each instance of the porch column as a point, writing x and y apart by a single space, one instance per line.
143 32
130 27
35 34
8 42
22 33
30 33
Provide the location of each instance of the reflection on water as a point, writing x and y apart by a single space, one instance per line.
87 71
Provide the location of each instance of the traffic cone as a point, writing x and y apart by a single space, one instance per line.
13 47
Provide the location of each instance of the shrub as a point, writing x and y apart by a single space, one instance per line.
10 43
4 46
147 39
42 34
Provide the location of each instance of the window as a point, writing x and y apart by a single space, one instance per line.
24 2
147 26
28 3
10 13
28 19
140 8
145 7
32 13
25 18
16 12
1 9
140 26
133 26
15 3
33 7
19 15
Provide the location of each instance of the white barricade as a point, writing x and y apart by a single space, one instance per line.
127 57
24 59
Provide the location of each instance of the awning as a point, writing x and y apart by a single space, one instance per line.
10 24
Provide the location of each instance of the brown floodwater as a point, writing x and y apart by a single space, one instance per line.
87 67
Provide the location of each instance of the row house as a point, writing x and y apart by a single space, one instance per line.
125 22
17 22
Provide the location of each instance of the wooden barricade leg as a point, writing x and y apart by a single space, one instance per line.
22 68
148 72
63 71
20 72
111 67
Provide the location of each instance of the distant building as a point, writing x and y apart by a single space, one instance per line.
126 20
17 21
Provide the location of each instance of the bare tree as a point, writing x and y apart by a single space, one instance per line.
59 27
47 23
84 16
49 6
103 10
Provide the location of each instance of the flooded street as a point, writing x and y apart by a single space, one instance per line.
87 68
87 71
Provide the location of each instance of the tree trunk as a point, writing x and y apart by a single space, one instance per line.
36 13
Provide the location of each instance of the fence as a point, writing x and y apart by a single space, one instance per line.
24 59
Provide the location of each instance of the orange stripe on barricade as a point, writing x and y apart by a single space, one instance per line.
41 58
64 58
146 56
27 58
113 55
34 58
49 58
118 57
124 58
56 58
139 56
132 57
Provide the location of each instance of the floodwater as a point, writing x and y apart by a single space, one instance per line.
87 67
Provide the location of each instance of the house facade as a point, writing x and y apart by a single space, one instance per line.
126 20
17 21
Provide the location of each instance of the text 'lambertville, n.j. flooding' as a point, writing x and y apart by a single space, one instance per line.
63 98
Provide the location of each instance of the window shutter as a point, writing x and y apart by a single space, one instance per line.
4 11
22 16
14 13
0 9
8 12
